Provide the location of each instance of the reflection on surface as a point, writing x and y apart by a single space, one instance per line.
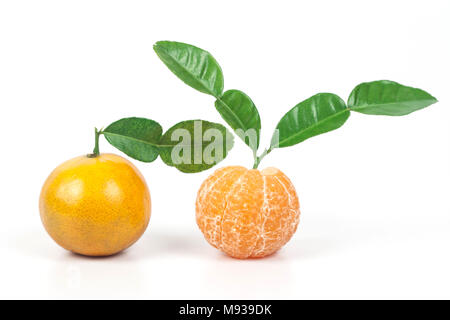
248 279
115 276
174 264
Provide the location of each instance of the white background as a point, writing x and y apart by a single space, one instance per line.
374 194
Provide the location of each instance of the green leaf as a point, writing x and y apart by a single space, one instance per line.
239 111
194 66
136 137
195 145
321 113
388 98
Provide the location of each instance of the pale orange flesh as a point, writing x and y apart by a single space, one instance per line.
247 213
95 206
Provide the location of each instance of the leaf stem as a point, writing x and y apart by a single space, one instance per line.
255 156
96 151
260 157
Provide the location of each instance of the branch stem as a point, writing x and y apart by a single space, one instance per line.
260 157
96 152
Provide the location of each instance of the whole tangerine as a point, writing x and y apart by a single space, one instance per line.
247 213
95 205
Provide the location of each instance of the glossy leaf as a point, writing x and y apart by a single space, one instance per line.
388 98
194 66
321 113
239 111
136 137
195 145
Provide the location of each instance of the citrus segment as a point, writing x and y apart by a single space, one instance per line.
241 218
211 201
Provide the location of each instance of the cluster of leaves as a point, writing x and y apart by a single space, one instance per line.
318 114
143 139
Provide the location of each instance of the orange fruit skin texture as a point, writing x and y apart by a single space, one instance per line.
95 206
247 213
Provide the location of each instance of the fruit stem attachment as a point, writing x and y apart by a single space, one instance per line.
96 151
260 157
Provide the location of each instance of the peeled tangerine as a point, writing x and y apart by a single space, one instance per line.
95 206
247 213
